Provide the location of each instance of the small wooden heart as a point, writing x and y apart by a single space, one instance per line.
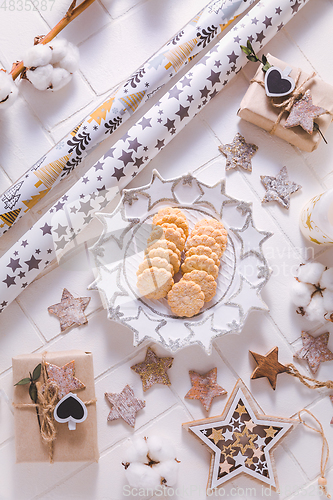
70 409
278 83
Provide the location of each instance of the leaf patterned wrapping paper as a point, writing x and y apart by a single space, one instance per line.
103 181
65 156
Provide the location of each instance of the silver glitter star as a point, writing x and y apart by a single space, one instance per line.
238 153
279 188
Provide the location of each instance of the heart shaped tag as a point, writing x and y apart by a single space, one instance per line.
70 409
278 83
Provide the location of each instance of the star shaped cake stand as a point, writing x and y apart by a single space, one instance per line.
117 254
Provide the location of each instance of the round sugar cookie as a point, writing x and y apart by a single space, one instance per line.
202 250
154 283
201 263
186 298
207 241
204 280
155 262
165 253
164 244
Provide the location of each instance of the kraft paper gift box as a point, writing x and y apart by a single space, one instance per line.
68 446
257 108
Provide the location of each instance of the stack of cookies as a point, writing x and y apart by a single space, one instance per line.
203 251
163 253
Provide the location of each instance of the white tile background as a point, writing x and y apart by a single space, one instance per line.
115 37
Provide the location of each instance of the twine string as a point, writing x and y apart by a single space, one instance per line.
325 450
315 384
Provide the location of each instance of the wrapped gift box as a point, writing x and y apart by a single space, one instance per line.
68 446
257 108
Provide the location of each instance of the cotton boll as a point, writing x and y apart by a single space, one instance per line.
326 280
135 451
8 90
41 77
311 272
160 449
60 78
328 300
71 60
59 48
141 447
38 55
301 293
315 311
141 476
169 471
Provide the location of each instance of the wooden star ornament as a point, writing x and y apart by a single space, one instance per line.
64 377
153 370
314 350
279 188
268 366
239 153
303 113
124 405
241 440
70 310
205 388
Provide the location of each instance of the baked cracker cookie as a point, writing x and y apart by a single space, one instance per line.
167 254
164 244
174 236
186 298
154 283
220 237
204 280
155 262
216 224
201 263
207 241
202 250
167 225
170 211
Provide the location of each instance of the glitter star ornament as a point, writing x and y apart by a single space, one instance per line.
64 378
314 350
205 388
303 113
238 153
153 370
124 405
241 440
279 188
70 310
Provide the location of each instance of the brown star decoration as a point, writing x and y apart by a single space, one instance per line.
64 378
70 310
303 113
153 370
205 388
268 366
279 188
241 440
124 405
239 153
314 350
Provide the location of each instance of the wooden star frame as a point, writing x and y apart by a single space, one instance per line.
241 440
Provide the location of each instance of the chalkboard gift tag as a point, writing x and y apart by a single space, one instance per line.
278 83
70 409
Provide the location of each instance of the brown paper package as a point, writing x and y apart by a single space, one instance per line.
256 107
69 446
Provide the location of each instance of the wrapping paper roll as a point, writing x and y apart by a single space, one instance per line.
49 236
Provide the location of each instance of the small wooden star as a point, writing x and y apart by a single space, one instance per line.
279 188
239 153
268 366
70 310
303 113
314 350
205 388
64 378
153 370
124 405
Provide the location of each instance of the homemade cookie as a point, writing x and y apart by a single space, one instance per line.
210 222
164 244
168 225
201 263
220 237
174 236
171 210
154 283
186 298
166 254
155 262
204 280
172 217
202 250
207 241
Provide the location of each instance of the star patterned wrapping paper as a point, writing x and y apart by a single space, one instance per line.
103 181
65 156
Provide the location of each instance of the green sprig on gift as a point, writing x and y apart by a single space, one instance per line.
32 380
252 56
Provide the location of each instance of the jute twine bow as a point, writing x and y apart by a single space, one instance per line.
47 400
315 384
288 103
325 450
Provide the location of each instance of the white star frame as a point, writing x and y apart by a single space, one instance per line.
120 249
